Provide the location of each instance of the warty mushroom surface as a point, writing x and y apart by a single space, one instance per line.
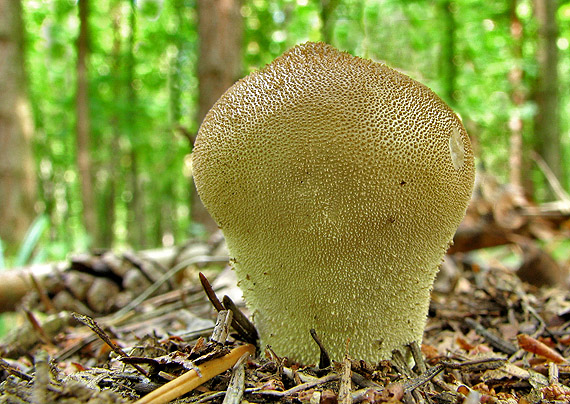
338 183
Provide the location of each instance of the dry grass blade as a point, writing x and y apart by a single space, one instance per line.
234 393
190 380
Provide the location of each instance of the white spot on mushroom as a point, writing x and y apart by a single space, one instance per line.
456 148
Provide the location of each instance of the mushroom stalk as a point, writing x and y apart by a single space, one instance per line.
338 183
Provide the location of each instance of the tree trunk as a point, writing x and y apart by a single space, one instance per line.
518 99
83 124
219 66
547 127
136 223
107 210
176 66
327 22
447 63
17 178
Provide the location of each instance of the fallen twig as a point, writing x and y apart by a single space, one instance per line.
241 323
471 366
190 380
495 341
293 390
222 328
14 371
156 285
324 359
345 388
92 324
210 293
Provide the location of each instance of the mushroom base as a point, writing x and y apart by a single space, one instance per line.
352 312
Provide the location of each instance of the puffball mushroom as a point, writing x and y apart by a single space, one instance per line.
338 183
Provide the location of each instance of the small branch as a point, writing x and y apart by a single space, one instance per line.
345 388
551 177
400 363
42 335
471 366
42 379
222 328
294 390
241 323
210 293
14 371
492 339
43 294
418 357
324 359
92 324
165 278
190 380
185 132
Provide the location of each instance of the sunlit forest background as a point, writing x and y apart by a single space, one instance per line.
101 100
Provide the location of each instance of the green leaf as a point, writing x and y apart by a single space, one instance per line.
37 228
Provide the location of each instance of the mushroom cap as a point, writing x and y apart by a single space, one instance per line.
338 183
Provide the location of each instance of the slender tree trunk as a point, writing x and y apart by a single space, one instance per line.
327 22
176 66
107 213
17 178
219 66
136 225
518 99
220 32
547 127
447 62
169 221
83 124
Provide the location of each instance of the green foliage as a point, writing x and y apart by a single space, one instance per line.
560 250
133 71
143 86
31 240
28 252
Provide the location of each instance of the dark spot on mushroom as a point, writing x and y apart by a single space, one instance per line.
402 183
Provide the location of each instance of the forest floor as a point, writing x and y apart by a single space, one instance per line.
489 338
